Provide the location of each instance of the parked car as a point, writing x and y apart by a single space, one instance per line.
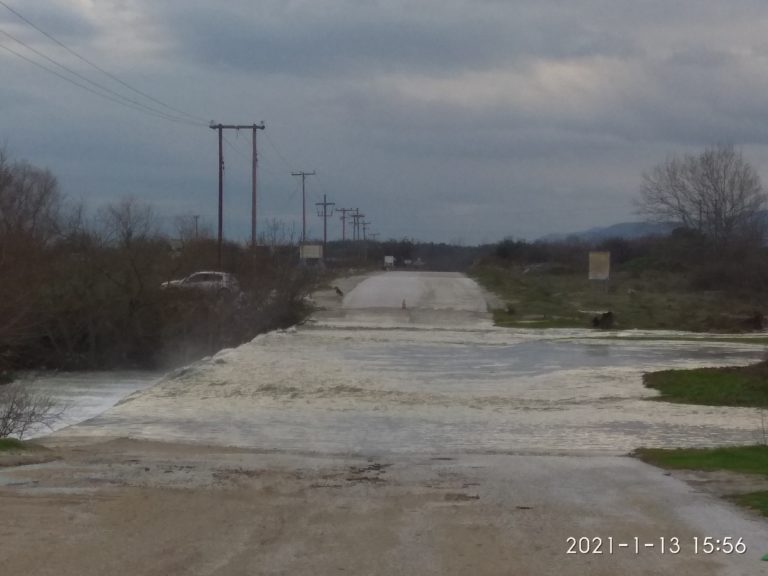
213 282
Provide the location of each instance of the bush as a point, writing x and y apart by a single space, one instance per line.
21 409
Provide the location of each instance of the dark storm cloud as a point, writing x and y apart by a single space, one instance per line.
363 43
58 20
492 117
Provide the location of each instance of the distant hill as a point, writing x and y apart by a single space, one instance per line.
626 230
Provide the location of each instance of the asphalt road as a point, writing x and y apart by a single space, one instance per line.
396 433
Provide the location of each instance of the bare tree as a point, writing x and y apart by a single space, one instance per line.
128 221
188 228
277 233
21 410
30 202
31 208
716 193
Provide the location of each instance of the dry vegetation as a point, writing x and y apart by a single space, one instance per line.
676 282
80 292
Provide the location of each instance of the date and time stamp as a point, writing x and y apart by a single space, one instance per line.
696 545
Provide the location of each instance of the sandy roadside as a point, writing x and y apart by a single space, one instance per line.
130 507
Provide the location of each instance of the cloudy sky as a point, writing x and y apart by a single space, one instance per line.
442 120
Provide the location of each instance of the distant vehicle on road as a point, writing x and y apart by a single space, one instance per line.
221 283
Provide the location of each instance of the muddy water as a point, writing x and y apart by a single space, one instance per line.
338 390
83 395
368 376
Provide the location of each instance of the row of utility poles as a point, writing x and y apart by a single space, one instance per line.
325 209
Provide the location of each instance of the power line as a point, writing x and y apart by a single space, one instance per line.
237 150
277 151
99 68
122 99
89 89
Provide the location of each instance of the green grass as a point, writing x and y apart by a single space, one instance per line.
749 340
744 459
648 300
731 386
755 500
11 444
740 459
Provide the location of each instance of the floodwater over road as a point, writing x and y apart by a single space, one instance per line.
369 375
83 395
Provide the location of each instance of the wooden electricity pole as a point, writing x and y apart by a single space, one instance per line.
253 186
221 128
356 222
324 214
344 220
303 203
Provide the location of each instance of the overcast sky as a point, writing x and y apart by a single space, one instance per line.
442 120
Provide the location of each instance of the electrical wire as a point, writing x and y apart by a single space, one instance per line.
99 68
89 89
278 152
124 99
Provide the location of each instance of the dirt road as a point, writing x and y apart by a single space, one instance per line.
387 440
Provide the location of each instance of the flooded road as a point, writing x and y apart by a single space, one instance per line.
380 439
368 376
84 395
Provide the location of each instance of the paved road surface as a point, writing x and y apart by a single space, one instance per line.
379 439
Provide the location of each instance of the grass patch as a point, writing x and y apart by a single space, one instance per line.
730 386
649 300
748 340
738 459
755 500
11 445
743 459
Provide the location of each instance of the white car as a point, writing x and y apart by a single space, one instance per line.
214 282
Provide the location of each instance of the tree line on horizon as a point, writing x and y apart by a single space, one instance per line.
84 292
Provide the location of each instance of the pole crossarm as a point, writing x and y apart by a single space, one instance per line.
237 126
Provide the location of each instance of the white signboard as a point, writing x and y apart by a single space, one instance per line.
311 252
599 265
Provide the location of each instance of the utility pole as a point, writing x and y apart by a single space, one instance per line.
374 236
221 190
324 214
303 203
253 185
344 220
196 218
365 230
221 127
356 221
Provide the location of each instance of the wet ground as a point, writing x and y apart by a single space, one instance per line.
367 376
381 439
80 396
